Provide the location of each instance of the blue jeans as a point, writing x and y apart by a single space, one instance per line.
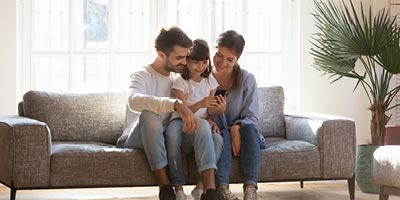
207 147
250 161
147 133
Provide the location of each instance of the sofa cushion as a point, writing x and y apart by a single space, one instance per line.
289 160
272 119
78 117
81 164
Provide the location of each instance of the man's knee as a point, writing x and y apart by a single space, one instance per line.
151 119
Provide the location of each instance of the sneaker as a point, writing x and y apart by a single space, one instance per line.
226 195
180 195
166 193
196 193
211 194
250 193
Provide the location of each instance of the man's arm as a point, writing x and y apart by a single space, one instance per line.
189 120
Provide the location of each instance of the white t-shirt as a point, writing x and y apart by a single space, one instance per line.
196 91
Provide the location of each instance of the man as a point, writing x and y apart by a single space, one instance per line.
150 94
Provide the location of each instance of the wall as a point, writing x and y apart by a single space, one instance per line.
316 92
8 61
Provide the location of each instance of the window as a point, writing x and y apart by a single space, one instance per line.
94 45
395 119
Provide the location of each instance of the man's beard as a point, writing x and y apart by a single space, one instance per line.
170 68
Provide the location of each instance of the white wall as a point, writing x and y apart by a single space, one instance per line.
8 61
316 92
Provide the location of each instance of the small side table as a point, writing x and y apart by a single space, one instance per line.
392 135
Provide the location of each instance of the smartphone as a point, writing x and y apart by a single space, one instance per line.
220 92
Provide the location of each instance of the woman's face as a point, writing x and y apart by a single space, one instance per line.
224 59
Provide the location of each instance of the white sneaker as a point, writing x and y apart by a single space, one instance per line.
250 193
180 195
226 195
196 193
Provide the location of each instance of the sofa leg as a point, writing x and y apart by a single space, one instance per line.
13 193
382 195
301 184
351 184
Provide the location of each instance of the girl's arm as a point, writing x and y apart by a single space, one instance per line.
207 102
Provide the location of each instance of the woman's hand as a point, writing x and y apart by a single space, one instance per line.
214 126
221 103
235 139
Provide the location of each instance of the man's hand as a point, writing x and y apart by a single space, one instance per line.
189 120
235 140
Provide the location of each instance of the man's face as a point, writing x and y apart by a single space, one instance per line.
176 59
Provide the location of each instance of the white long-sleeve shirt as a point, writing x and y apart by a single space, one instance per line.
149 90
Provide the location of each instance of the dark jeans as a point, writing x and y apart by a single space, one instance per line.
251 144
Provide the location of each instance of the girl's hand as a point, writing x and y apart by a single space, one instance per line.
235 140
214 126
210 102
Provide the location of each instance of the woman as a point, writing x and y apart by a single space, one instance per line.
239 122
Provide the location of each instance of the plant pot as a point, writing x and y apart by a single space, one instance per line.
364 160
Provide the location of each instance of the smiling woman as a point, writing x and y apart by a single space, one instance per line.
91 45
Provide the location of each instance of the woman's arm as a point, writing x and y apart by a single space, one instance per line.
250 111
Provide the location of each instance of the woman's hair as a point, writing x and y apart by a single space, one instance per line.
169 37
235 43
199 52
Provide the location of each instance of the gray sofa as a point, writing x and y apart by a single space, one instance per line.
68 141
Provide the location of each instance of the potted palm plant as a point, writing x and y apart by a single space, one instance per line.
348 37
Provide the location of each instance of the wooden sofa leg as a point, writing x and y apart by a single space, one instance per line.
301 184
382 195
13 193
351 184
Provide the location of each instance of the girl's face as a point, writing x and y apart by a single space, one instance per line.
224 59
196 68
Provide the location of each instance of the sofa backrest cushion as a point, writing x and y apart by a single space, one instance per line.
97 117
272 119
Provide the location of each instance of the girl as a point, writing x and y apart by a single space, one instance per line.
196 88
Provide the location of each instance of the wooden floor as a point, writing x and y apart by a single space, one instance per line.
315 190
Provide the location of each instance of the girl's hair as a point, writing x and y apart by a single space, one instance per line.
235 43
169 37
198 52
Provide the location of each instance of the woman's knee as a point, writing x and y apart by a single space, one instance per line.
249 132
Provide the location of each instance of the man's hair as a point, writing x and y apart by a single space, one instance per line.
199 52
170 37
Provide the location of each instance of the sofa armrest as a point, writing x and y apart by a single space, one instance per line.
25 147
335 137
